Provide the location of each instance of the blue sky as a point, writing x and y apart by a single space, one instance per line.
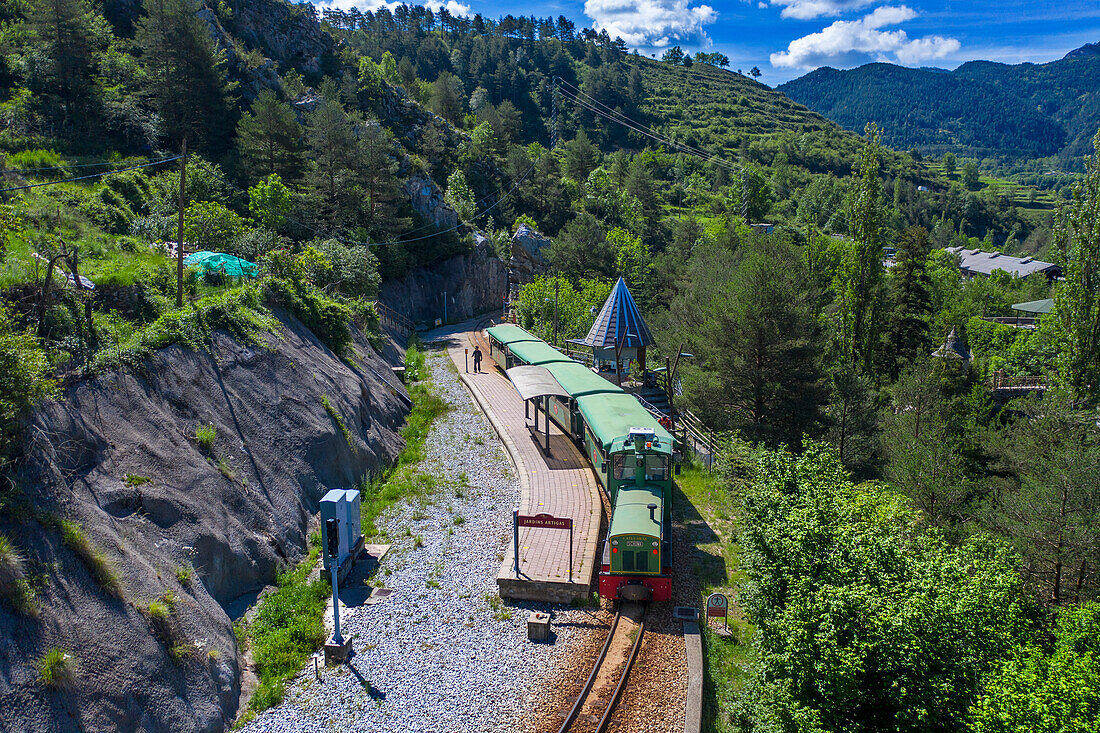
787 38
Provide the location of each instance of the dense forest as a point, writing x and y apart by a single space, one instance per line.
917 553
981 109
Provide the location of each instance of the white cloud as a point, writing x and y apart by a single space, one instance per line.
807 9
851 42
652 24
452 6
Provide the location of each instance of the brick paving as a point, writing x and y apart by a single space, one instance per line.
561 484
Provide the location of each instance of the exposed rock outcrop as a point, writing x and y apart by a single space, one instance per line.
472 284
119 455
289 34
427 200
528 257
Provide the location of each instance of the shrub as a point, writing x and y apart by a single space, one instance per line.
133 479
100 567
49 161
287 628
55 668
23 380
184 573
239 312
205 435
14 587
339 420
328 319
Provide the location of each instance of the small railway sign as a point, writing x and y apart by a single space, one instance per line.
540 521
545 521
718 606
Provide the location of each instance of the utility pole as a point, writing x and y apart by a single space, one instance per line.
557 288
179 231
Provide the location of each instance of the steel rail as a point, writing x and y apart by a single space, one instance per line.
602 726
576 709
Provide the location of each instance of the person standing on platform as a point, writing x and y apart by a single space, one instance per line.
477 360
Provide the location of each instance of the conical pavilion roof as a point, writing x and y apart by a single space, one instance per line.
619 323
953 348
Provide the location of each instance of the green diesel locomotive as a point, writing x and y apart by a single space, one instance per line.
631 454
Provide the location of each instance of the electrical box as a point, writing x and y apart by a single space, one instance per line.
334 505
354 524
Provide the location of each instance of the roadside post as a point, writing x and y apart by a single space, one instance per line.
333 538
466 357
718 606
515 538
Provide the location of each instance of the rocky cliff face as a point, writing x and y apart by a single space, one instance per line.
118 454
528 257
472 284
286 33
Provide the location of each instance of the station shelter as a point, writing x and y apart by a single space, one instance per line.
619 335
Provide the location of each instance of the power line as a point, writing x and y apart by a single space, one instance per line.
594 105
92 175
59 166
460 224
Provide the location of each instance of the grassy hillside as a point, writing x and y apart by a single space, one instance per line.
982 108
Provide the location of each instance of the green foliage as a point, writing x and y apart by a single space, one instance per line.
55 669
15 589
339 420
1046 495
133 480
865 622
239 312
1047 688
205 435
184 72
287 628
328 319
460 196
24 380
269 201
574 301
98 564
211 226
1077 299
268 138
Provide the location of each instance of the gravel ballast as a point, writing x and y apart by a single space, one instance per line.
442 653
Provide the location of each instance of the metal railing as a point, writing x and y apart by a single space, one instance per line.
1002 381
391 319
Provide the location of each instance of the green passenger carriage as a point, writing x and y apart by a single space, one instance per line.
631 454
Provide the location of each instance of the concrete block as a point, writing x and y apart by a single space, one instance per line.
538 626
336 653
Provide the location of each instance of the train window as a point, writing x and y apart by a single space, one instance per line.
628 561
656 468
624 469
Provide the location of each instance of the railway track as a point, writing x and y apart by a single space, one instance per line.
591 713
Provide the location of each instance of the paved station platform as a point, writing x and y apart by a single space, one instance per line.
561 484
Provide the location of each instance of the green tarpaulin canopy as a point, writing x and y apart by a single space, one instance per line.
1035 306
220 262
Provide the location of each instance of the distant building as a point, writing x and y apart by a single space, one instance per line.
764 228
976 262
923 189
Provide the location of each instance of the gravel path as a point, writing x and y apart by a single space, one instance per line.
443 653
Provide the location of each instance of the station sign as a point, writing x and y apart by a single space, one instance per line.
544 521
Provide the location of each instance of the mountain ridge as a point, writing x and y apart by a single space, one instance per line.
987 108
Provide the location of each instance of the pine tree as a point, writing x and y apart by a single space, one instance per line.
269 138
1077 299
861 273
377 174
907 335
580 157
185 74
332 148
66 35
